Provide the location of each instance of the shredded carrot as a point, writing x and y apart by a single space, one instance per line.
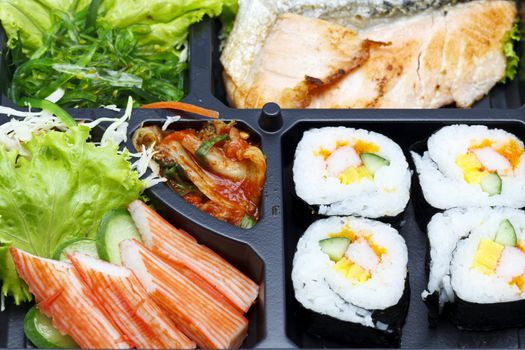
186 107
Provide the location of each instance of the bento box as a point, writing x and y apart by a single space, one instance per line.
265 252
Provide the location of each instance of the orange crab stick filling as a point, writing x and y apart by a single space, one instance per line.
121 294
62 296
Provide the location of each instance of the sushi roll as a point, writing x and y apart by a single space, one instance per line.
350 277
351 172
477 267
472 166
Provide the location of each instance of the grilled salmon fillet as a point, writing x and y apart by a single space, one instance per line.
427 60
300 55
256 18
432 60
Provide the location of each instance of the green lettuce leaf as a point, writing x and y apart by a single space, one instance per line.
28 20
511 37
12 284
58 192
229 11
161 24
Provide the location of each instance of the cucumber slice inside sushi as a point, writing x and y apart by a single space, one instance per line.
81 245
373 162
116 226
491 184
40 331
335 247
506 234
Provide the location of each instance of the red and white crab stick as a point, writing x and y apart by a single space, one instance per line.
121 294
63 297
180 248
210 323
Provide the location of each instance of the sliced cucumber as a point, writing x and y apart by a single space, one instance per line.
40 331
491 184
373 162
80 245
116 226
335 247
506 234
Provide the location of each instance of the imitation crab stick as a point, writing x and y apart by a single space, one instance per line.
62 296
178 247
211 324
121 294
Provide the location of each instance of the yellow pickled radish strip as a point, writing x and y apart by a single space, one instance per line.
487 256
352 175
343 265
357 273
472 168
351 270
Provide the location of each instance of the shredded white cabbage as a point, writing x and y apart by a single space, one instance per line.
170 120
117 132
25 123
16 131
11 112
111 108
145 161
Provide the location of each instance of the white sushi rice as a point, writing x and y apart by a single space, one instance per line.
386 195
442 180
454 237
320 288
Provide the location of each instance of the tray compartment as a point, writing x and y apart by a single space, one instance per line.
235 250
176 210
298 216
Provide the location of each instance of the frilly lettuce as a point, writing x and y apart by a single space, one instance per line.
513 60
28 20
59 192
163 23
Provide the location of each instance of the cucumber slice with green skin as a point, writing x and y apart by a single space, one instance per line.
373 162
40 331
80 245
116 226
506 234
335 247
491 184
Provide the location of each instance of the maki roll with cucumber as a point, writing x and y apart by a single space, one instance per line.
477 267
351 172
472 166
350 277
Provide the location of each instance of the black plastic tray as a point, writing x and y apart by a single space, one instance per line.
265 252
